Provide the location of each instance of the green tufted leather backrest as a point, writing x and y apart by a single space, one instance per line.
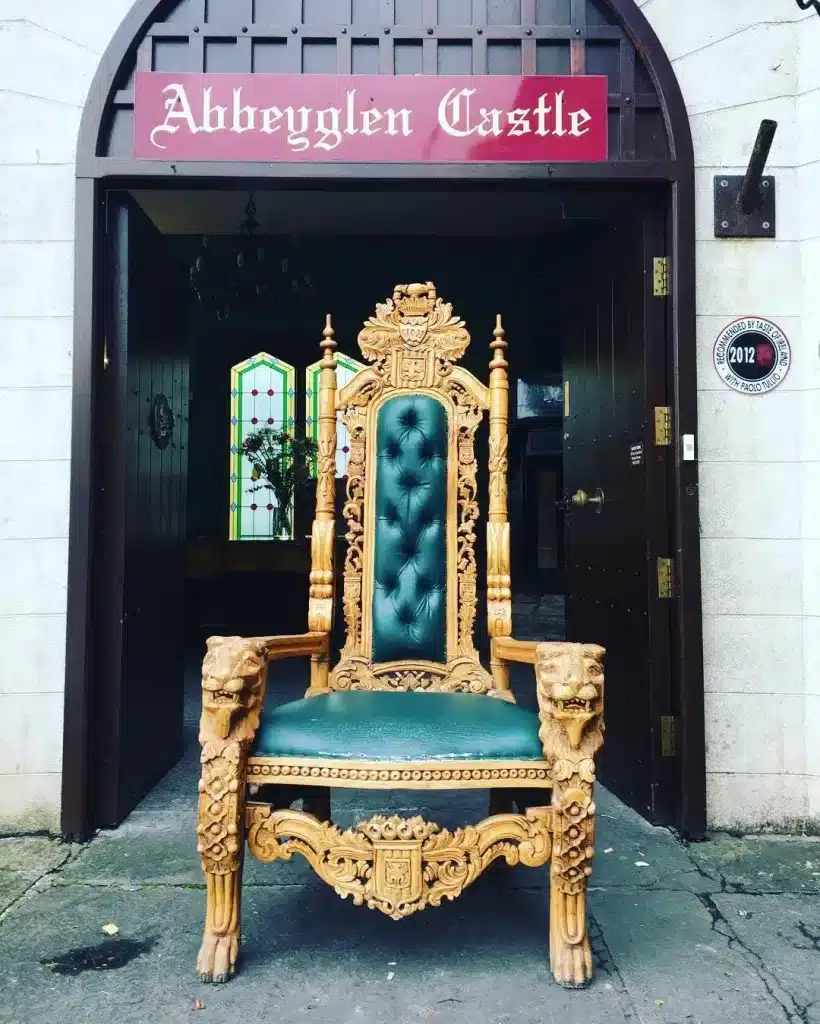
409 610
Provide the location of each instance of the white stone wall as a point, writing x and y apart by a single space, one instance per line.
807 115
49 52
738 61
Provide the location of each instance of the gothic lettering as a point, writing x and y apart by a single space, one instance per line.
369 119
244 118
213 115
327 128
282 117
402 115
519 122
177 108
269 116
458 117
306 127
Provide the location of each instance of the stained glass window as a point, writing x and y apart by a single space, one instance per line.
346 370
263 394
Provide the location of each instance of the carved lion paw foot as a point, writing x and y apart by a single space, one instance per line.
216 962
571 964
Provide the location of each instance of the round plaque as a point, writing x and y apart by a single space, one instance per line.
752 355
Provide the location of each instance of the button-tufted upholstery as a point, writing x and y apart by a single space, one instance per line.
410 564
400 727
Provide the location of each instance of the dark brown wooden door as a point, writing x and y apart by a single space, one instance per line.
140 571
615 372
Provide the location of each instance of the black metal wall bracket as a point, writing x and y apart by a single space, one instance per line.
745 204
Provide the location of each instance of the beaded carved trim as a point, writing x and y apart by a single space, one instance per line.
406 775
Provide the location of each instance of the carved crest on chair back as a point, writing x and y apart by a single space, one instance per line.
413 342
414 338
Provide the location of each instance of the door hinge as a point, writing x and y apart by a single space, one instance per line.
663 425
669 736
660 277
666 570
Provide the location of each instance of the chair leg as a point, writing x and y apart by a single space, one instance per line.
219 951
573 838
221 841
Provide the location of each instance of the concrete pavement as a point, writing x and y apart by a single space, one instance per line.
722 931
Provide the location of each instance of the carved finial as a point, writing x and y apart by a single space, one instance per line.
498 345
328 346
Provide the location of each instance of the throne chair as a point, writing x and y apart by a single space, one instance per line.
409 704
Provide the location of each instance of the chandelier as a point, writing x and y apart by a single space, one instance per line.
248 276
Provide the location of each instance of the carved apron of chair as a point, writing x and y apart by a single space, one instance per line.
409 704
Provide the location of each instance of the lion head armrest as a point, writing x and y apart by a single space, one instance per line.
234 675
570 679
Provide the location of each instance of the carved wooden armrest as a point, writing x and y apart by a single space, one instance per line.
504 648
297 646
234 674
570 680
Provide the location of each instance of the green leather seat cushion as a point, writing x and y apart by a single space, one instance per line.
400 727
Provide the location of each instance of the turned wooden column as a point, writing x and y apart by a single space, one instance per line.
320 612
499 594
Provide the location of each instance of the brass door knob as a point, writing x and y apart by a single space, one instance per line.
581 498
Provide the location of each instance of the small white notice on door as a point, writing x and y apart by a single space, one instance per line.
688 447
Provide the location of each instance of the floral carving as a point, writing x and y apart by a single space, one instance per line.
396 865
353 513
464 675
468 418
218 840
326 472
498 466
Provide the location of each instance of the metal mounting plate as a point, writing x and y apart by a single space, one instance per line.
731 221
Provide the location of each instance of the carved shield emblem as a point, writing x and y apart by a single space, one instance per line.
414 371
397 872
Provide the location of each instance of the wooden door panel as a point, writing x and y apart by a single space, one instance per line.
610 326
140 572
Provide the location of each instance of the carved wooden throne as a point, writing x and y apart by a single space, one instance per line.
409 705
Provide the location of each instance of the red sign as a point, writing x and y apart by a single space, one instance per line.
371 118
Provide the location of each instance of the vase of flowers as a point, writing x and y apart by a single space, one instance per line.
281 462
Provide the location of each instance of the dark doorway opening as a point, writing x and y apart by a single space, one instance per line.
569 271
649 143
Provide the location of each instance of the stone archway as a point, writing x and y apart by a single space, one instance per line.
611 37
650 141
